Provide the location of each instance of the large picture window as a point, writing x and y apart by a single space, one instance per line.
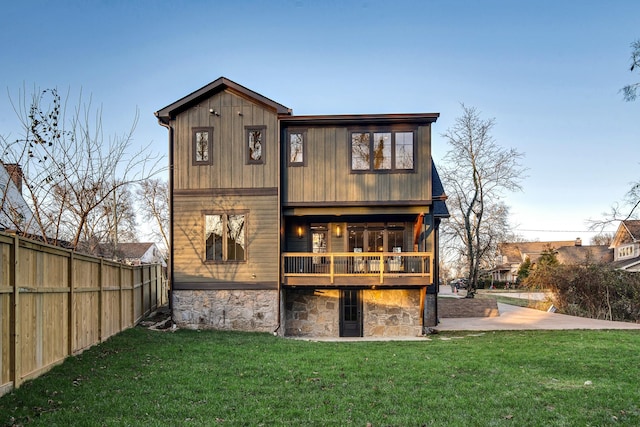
202 146
255 144
382 151
225 237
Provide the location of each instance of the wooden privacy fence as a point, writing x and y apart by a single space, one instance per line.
55 303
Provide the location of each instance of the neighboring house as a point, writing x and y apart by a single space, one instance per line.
323 225
626 246
131 253
570 252
15 213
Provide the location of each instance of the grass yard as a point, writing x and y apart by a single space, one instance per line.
524 378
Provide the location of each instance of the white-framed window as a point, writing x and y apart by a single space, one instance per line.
625 251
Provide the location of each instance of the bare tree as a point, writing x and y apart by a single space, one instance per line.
630 92
70 171
154 206
476 172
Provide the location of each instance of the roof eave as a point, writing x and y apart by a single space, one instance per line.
169 112
346 119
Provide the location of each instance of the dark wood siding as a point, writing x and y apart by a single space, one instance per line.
327 176
229 166
228 185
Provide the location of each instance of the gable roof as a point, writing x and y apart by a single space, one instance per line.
633 227
169 112
576 255
518 251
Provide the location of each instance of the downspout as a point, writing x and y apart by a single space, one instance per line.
436 261
170 248
280 233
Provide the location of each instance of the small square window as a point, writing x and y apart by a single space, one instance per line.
297 141
255 144
202 146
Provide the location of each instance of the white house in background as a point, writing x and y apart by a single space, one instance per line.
132 253
626 246
15 213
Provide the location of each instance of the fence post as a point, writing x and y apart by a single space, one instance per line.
100 299
120 297
16 366
71 330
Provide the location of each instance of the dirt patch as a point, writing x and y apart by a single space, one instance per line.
159 320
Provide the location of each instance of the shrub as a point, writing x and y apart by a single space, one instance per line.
595 291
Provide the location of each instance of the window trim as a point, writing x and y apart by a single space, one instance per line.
263 131
393 130
302 132
194 143
225 220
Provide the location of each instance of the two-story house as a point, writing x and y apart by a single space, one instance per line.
626 246
301 225
510 256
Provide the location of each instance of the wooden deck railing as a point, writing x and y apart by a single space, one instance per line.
390 268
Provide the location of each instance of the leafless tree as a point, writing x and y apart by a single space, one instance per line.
630 91
476 172
71 172
153 197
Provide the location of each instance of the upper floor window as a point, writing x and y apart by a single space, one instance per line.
297 148
255 144
625 251
382 151
202 146
225 237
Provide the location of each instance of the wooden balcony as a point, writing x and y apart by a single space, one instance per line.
382 269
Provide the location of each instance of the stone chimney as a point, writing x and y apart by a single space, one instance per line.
578 242
15 173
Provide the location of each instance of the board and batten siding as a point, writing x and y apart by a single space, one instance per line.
327 176
262 236
229 168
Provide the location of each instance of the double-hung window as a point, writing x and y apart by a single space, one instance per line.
225 237
382 151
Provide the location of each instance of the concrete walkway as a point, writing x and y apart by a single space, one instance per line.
519 318
514 318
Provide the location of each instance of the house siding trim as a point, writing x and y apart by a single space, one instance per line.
191 286
211 192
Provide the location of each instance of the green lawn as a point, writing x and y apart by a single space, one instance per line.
532 378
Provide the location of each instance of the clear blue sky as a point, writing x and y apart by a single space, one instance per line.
549 72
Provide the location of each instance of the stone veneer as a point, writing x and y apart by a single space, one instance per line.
237 310
392 313
386 313
312 313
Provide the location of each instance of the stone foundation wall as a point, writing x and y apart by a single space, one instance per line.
467 307
312 313
237 310
386 313
392 313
